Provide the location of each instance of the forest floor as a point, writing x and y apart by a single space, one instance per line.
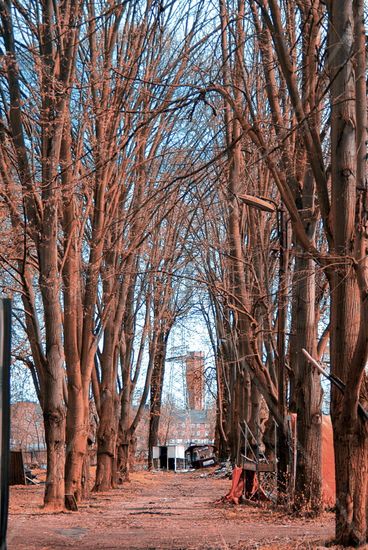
160 511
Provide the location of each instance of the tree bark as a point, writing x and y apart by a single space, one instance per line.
54 419
106 442
123 463
347 305
157 381
307 391
77 432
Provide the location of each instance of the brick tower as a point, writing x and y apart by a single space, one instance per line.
195 379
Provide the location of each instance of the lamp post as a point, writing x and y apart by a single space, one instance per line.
268 205
262 203
282 443
5 344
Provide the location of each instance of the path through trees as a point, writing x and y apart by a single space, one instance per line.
160 159
161 511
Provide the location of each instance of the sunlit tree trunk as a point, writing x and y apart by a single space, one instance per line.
76 427
108 420
156 394
348 305
307 388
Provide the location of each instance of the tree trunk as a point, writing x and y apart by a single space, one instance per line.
347 304
122 450
351 469
282 440
222 406
54 407
123 457
308 393
350 435
157 381
106 443
77 432
54 419
76 429
132 452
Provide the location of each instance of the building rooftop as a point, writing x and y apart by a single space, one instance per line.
194 416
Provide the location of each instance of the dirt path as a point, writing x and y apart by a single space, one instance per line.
159 511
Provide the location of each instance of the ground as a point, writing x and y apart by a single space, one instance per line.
160 511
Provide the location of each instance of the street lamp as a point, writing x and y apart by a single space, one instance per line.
5 344
262 203
268 205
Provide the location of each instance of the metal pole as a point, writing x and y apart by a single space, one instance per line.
282 451
245 439
5 350
281 325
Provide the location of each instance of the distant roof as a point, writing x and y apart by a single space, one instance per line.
195 417
200 446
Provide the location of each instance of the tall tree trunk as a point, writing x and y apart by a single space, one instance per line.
123 439
76 428
49 280
54 406
77 432
157 381
54 419
108 414
350 432
123 454
282 440
106 442
307 391
222 407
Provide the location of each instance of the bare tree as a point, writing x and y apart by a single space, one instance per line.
171 299
343 218
35 181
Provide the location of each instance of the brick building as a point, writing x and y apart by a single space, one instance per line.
192 426
194 363
196 423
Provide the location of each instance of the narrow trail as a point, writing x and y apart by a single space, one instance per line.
159 511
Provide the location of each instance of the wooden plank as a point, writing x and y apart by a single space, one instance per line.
16 470
264 467
260 467
250 466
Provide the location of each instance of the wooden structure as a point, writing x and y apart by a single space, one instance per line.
261 482
260 473
17 474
